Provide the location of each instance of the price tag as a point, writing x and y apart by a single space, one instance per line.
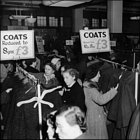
69 42
17 44
94 41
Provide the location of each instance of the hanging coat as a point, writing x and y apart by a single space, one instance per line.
123 105
134 127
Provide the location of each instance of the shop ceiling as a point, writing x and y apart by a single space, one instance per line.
130 6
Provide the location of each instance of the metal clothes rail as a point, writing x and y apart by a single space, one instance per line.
137 72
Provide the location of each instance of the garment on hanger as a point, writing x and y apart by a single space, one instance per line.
23 121
134 126
123 105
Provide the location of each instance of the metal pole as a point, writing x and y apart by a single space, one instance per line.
134 60
39 110
136 83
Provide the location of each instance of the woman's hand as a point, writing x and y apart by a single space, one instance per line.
61 91
116 86
8 90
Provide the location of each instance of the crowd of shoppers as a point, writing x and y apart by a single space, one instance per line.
78 111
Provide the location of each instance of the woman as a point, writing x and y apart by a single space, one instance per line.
47 78
69 120
73 94
94 99
49 81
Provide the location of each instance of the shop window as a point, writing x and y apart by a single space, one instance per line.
61 21
53 21
28 24
104 22
95 22
41 21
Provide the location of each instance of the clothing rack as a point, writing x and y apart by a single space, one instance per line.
36 81
39 97
112 62
27 74
133 51
130 68
137 82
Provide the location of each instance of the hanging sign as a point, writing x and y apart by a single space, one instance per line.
69 42
39 42
17 44
113 43
95 40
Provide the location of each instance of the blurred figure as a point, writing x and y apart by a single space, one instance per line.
31 65
56 62
3 72
69 121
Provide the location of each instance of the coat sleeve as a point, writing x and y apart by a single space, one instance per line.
99 98
51 83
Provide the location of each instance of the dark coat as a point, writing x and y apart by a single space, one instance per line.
123 105
134 126
23 121
31 69
74 96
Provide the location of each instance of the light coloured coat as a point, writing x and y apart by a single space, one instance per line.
96 118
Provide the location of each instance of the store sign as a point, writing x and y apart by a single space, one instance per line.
17 44
39 42
95 40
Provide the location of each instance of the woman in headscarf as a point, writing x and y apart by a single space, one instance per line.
94 100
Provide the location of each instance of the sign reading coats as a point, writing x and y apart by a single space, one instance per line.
95 40
17 44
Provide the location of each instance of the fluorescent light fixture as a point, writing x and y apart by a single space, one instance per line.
18 17
63 3
67 3
49 2
135 18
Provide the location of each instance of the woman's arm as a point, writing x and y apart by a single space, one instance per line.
99 98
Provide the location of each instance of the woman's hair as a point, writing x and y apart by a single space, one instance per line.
66 66
30 61
73 72
73 115
51 65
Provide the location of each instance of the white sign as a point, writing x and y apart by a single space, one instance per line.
69 42
39 42
95 40
113 43
17 44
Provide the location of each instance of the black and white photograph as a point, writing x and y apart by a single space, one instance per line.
69 69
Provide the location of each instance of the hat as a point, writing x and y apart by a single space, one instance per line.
55 60
92 71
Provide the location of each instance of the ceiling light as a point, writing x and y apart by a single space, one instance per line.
18 17
63 3
135 18
31 19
